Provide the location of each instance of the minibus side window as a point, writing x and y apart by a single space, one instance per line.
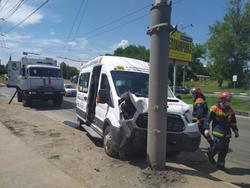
105 86
84 82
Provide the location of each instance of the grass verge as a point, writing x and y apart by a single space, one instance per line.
237 103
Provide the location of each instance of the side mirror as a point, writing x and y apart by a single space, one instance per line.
179 97
102 96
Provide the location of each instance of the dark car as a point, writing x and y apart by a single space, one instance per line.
181 90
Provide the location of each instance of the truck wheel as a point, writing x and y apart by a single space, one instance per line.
27 101
19 96
57 101
107 143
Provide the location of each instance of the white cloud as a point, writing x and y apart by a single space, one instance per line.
17 37
122 44
48 42
83 41
72 43
52 33
20 14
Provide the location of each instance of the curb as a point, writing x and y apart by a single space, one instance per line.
241 113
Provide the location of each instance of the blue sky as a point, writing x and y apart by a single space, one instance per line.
48 31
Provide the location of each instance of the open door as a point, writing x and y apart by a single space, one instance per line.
14 70
91 106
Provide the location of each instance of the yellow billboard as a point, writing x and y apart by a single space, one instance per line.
180 47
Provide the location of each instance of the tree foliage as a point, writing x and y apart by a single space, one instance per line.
193 68
68 71
3 69
132 51
229 43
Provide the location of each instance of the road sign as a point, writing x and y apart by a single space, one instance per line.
180 47
234 78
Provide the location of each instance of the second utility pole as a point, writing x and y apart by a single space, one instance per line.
158 83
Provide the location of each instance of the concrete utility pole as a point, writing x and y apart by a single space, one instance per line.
158 81
174 75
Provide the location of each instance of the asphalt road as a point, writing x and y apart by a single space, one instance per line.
239 154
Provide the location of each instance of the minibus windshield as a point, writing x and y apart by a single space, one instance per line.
135 82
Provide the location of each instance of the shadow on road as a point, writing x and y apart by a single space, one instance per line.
48 105
96 141
242 185
239 171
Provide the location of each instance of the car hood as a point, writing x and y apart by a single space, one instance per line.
67 89
175 105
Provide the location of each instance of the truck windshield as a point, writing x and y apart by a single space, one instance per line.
135 82
44 72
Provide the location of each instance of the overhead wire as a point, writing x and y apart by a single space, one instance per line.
80 22
27 17
111 22
116 20
119 26
75 19
15 9
6 2
81 19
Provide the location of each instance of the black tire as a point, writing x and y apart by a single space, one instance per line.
27 101
173 154
107 143
57 101
19 96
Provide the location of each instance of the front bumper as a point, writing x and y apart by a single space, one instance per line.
137 140
38 94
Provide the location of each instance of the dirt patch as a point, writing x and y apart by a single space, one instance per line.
15 130
157 179
55 157
55 134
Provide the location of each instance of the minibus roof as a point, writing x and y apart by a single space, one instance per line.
119 64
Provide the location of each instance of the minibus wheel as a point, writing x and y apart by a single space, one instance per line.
107 143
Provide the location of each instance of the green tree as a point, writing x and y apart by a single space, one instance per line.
133 51
193 68
68 71
63 68
3 69
229 43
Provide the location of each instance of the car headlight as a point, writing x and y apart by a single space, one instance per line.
188 116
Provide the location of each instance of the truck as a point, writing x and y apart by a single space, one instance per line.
36 78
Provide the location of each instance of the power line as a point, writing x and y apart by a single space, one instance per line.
81 19
15 8
6 2
117 20
119 26
74 22
15 26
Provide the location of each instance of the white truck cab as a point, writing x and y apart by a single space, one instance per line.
112 104
36 78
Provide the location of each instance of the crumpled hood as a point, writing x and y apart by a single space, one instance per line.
174 105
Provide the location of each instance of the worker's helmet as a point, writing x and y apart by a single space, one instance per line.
225 96
196 91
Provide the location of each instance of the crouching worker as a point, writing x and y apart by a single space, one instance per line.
200 111
223 120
